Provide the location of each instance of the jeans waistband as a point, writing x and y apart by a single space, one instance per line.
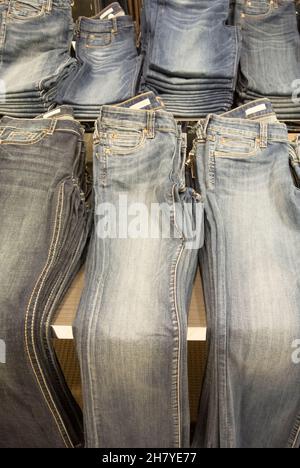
148 120
90 25
26 130
253 120
258 109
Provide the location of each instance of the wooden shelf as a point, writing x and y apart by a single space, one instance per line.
62 325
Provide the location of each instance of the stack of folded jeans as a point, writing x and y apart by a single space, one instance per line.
191 55
109 65
35 56
42 237
270 58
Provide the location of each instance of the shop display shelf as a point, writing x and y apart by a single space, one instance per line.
62 324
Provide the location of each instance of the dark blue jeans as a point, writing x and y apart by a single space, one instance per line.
42 195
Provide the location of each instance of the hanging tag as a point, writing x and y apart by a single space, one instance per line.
145 101
141 104
112 11
51 113
254 110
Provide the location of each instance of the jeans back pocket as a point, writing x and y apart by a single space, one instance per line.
16 136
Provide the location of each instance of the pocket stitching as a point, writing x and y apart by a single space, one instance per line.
13 14
129 150
88 46
234 153
260 16
40 136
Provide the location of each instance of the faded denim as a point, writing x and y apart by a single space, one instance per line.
270 58
249 176
109 65
35 41
131 327
199 57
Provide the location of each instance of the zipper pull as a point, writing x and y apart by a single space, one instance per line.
191 161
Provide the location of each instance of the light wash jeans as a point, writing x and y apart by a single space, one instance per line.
270 57
131 327
249 177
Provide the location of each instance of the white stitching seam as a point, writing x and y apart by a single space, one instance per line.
52 250
296 437
178 324
61 280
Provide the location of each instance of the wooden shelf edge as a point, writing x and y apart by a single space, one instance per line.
65 332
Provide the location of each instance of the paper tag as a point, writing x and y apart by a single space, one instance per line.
112 11
141 104
256 109
52 113
106 13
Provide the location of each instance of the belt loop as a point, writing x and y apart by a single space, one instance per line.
78 26
202 128
297 145
96 135
151 124
100 116
98 124
263 138
49 5
52 127
114 26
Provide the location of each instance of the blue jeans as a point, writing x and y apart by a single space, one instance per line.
270 58
131 327
42 193
198 60
109 65
35 41
249 178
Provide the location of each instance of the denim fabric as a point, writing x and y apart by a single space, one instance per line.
270 59
35 41
249 176
131 327
42 236
199 56
298 13
109 65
